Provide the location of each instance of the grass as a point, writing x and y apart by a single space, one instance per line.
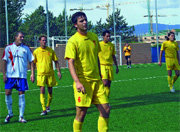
140 101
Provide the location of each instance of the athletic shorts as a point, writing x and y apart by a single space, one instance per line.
95 93
172 64
107 72
19 83
49 80
126 57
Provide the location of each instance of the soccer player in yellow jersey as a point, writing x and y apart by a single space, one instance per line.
106 58
172 59
127 51
82 55
45 74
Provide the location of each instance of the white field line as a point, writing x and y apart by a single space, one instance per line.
115 81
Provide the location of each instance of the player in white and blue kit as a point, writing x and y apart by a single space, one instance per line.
15 58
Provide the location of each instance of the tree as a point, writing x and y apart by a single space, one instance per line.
15 8
122 28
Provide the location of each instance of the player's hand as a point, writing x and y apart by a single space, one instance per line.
59 75
117 70
160 64
4 78
32 78
80 87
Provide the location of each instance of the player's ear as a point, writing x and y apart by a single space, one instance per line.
75 25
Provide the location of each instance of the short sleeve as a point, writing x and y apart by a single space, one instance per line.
54 57
4 56
30 55
70 51
162 46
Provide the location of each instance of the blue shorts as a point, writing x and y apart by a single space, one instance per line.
19 83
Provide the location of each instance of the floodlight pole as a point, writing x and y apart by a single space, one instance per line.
47 19
7 28
65 19
114 22
157 31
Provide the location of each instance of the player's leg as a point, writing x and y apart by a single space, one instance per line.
177 73
170 80
22 87
49 99
21 106
104 110
106 86
101 101
9 84
42 100
83 101
79 119
51 82
129 61
8 100
41 82
126 57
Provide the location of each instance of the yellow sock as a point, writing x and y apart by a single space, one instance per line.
49 99
174 79
107 91
102 124
77 126
42 100
170 82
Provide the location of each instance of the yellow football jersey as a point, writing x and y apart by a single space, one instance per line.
127 50
43 59
106 53
84 50
170 48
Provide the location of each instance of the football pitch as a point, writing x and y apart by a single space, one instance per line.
140 101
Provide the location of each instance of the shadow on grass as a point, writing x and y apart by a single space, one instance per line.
130 102
145 99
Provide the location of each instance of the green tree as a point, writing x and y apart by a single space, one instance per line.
15 8
122 28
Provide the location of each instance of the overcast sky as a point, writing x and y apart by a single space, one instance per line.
132 12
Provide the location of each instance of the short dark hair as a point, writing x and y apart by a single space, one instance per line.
106 31
76 15
167 37
17 33
42 37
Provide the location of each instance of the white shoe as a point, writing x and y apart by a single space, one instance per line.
8 117
48 109
43 113
22 120
172 90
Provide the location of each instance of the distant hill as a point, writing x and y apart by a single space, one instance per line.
143 28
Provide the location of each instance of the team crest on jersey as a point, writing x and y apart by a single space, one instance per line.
79 99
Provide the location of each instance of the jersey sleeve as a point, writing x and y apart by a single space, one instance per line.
54 57
35 56
70 51
162 46
5 56
30 55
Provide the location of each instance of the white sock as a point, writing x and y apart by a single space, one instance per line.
8 100
21 105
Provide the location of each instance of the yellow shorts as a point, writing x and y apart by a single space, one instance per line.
95 93
107 72
50 80
172 64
